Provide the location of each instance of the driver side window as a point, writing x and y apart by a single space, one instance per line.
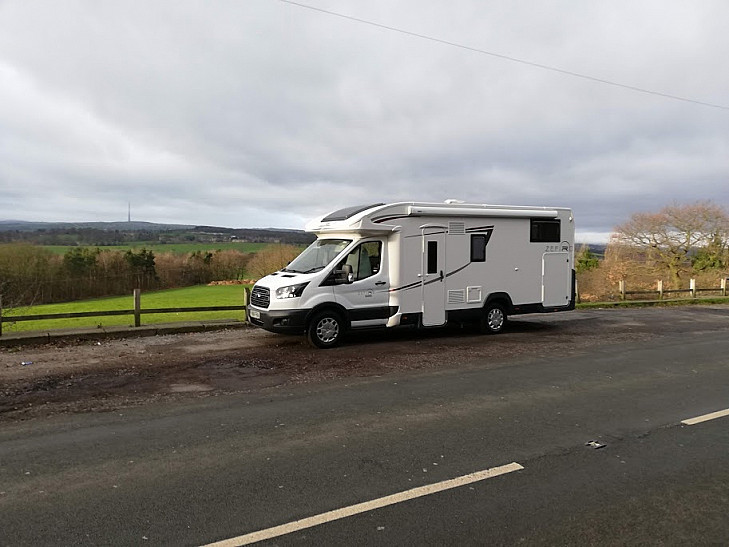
365 259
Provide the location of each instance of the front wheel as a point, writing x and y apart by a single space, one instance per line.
493 319
325 330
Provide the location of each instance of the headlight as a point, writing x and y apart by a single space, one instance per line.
292 291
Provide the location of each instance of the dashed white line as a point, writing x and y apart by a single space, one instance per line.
706 417
344 512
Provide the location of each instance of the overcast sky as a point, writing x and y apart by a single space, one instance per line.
259 113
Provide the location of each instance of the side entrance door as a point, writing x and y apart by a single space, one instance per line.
433 276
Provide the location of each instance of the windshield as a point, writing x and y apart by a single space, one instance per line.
317 255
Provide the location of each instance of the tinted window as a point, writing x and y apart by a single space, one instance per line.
344 214
432 257
545 231
478 248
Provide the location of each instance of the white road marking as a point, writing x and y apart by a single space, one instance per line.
344 512
706 417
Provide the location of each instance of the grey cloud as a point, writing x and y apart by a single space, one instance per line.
259 113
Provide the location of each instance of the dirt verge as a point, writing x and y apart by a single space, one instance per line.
112 374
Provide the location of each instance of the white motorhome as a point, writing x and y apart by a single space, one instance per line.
423 265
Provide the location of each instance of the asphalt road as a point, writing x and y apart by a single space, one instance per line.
199 471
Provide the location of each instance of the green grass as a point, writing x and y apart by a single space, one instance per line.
176 248
201 295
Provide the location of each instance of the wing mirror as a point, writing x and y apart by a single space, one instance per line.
344 276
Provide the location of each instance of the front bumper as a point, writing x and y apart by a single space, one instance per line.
282 321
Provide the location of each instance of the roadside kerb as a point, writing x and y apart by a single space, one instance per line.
116 331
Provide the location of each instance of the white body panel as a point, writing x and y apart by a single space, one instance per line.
429 269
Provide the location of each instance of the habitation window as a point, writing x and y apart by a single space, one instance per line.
478 247
545 231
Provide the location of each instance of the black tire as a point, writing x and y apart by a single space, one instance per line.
325 330
493 319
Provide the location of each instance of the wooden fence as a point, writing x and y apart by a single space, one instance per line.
692 291
137 311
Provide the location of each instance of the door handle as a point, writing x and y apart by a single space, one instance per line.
441 275
380 283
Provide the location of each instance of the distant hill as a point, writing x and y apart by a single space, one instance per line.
119 233
25 226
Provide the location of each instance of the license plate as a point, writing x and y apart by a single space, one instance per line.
255 314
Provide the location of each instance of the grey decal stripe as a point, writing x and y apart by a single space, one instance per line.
419 283
406 287
458 270
385 219
429 234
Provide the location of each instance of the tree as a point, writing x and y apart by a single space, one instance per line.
272 258
674 233
586 260
141 264
80 261
713 256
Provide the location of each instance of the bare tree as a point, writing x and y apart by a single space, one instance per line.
673 233
271 258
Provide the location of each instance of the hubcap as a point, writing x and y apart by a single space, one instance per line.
327 330
495 319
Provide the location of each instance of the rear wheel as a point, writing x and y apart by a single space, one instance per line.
493 319
325 330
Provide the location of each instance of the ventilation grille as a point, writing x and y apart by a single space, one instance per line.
260 297
457 296
456 228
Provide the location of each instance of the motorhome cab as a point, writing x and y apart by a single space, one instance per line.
421 264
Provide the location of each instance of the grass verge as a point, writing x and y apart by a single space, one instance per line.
201 295
649 303
218 295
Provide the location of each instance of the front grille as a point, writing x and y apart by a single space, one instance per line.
260 297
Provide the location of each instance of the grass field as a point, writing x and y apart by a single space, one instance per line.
177 248
201 295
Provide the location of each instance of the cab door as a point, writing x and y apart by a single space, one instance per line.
367 298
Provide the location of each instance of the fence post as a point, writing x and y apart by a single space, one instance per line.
246 300
660 289
621 288
137 307
723 291
692 287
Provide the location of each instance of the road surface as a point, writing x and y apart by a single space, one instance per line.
194 471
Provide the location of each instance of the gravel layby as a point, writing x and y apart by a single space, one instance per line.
109 375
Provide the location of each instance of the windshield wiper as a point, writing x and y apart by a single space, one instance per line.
312 270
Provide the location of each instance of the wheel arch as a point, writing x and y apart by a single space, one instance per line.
499 298
328 306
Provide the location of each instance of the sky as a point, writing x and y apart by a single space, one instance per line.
263 113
